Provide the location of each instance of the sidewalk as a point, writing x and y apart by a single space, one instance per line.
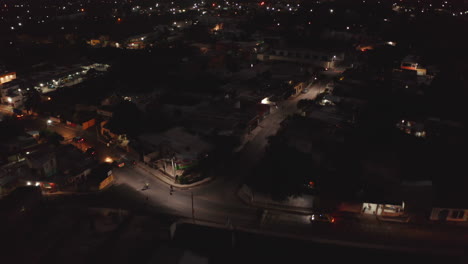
168 180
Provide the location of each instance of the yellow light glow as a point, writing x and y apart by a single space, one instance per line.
108 160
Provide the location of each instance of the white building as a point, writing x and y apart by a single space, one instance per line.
11 94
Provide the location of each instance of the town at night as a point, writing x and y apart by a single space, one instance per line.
216 131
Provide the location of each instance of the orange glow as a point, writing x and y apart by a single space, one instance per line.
218 27
333 220
82 9
262 3
409 68
119 19
365 48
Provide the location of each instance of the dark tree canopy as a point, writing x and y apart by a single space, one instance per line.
126 119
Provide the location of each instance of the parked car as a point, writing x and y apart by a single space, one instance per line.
118 163
78 139
326 218
91 151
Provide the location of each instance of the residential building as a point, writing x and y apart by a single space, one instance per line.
11 93
62 167
410 62
175 150
449 214
316 58
7 77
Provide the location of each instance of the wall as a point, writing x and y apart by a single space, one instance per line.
106 182
88 124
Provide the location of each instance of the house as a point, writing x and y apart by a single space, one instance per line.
105 111
449 214
7 77
304 56
62 167
450 207
11 176
14 149
386 211
11 93
81 119
175 150
411 62
43 163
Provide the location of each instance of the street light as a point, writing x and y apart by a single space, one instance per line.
49 122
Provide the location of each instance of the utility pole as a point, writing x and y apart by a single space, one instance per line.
193 210
173 166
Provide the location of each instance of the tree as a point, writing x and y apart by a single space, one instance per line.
32 101
126 119
284 171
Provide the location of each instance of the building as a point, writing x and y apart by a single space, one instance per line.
7 77
42 163
175 150
11 175
11 93
411 63
449 214
64 167
327 60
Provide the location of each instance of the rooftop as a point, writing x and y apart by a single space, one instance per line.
180 140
